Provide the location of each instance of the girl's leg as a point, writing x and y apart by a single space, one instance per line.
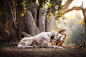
60 43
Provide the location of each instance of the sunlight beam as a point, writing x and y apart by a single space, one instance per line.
75 3
84 3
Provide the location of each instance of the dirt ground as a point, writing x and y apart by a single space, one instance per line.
13 51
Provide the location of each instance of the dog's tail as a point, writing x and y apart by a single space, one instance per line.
25 34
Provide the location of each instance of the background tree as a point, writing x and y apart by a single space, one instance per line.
23 17
28 17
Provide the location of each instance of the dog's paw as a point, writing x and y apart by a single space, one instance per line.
61 47
58 47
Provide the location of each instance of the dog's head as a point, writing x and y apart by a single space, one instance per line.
54 36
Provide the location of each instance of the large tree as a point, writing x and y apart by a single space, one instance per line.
26 17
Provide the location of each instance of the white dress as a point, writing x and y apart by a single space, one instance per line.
60 36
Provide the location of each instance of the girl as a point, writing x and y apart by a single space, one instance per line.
61 36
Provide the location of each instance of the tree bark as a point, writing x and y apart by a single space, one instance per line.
65 6
21 20
41 22
84 13
30 23
74 8
12 29
50 24
13 11
33 8
4 33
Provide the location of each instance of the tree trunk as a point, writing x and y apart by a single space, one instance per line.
12 29
84 13
4 33
30 23
50 21
33 8
41 22
13 11
21 20
50 24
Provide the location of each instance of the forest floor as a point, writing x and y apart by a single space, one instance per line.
13 51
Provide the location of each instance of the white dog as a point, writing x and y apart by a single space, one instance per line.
43 40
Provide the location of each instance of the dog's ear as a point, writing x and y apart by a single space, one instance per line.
51 38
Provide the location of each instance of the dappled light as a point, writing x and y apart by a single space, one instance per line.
42 28
74 21
75 25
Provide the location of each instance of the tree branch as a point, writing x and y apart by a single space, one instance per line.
65 6
74 8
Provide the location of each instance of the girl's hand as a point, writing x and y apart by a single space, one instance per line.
63 40
65 34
